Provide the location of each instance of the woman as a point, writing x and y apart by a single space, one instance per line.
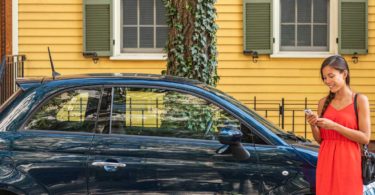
339 133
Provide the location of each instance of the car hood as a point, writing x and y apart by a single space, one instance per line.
308 151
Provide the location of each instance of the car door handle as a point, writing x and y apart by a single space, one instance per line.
109 166
112 164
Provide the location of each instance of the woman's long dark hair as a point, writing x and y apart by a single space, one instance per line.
339 63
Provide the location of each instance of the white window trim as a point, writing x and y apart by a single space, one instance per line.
333 34
117 55
139 56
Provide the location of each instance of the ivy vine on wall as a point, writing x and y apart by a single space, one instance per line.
192 53
191 43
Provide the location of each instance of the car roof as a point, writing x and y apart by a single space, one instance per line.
28 82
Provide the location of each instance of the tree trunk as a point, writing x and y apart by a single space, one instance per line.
191 45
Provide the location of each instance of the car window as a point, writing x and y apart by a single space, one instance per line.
250 137
74 110
159 112
274 128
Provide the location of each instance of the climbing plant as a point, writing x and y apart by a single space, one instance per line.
192 53
191 43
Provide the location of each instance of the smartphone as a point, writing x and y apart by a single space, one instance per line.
308 112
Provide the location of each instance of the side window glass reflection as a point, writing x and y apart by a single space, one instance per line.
74 110
158 112
105 112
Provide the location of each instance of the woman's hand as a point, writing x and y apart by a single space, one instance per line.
312 119
326 123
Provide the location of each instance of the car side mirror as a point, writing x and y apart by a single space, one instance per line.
231 138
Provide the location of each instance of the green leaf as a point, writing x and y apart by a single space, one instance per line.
203 35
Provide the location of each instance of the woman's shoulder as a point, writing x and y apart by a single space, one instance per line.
321 104
322 101
362 98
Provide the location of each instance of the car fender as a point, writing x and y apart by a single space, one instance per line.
308 152
20 183
5 187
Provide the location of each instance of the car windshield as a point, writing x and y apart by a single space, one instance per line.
10 100
288 136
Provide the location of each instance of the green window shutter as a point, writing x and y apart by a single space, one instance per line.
257 26
353 27
97 27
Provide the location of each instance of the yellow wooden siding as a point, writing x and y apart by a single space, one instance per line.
58 24
274 78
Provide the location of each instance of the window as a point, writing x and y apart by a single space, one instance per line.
74 110
159 112
125 29
305 28
304 25
144 28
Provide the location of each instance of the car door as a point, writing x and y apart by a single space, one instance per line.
164 141
283 171
52 148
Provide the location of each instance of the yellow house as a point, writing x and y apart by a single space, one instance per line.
268 49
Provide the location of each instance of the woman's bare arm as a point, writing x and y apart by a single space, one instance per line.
313 119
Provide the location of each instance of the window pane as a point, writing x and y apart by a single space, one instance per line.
287 11
304 38
287 35
304 35
160 13
146 8
70 111
320 11
304 10
130 12
136 111
130 37
158 112
147 32
320 35
146 37
161 36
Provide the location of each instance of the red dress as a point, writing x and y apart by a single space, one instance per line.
339 161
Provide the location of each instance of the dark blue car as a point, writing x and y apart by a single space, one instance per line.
144 134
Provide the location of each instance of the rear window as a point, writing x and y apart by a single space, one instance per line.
10 100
